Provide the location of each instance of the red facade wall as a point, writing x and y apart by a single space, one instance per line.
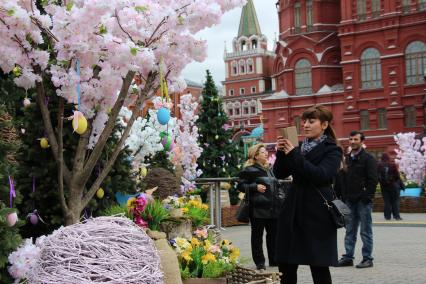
334 50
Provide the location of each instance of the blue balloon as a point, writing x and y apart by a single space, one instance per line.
163 115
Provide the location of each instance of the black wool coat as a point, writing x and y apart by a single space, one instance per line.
262 205
306 233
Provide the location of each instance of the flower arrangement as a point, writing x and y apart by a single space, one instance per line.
201 258
146 212
23 260
191 206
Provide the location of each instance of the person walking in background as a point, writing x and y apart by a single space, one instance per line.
258 181
306 233
391 185
360 188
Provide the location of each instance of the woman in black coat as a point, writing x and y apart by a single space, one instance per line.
306 233
257 180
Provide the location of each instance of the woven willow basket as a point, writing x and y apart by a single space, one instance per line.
242 275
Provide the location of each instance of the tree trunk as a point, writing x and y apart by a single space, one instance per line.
73 212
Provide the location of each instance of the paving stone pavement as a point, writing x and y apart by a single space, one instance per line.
399 253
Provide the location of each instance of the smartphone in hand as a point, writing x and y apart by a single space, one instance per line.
290 133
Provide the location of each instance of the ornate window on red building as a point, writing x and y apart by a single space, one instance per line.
297 18
234 68
242 67
410 116
371 71
381 119
375 8
309 16
406 6
421 5
303 77
361 9
415 62
250 68
364 120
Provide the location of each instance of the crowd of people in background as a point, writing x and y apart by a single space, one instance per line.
299 229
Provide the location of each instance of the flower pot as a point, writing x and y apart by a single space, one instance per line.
413 192
205 281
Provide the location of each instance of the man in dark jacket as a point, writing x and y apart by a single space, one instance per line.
358 194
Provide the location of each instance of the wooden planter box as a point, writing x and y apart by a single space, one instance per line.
228 216
205 281
407 204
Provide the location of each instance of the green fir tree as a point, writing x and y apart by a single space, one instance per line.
9 235
221 157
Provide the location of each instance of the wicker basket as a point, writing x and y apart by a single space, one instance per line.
242 275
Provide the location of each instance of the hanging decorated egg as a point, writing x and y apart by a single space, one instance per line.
216 137
12 218
163 115
79 122
100 193
143 171
26 102
33 218
44 143
166 141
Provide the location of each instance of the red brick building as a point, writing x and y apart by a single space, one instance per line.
364 59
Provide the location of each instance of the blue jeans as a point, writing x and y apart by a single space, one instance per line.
360 215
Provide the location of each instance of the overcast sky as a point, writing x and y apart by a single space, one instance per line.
226 31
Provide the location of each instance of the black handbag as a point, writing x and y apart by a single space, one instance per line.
243 212
339 211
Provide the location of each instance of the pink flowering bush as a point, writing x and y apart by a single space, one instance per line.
91 50
411 156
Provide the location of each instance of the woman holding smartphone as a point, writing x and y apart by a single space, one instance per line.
306 234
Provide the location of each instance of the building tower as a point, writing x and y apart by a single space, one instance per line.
248 69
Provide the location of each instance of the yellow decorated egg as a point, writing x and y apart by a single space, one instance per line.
44 143
82 125
100 193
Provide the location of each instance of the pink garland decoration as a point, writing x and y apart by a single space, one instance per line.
108 250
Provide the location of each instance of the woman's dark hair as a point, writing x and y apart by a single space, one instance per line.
323 114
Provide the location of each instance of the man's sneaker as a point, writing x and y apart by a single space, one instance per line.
365 263
345 262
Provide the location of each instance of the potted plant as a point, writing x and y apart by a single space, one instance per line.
203 261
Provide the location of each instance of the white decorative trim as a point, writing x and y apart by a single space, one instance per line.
348 78
259 65
349 61
393 72
261 86
392 55
349 97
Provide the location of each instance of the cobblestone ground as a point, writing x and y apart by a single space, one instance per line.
399 253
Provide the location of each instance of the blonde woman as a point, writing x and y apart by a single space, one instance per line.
265 200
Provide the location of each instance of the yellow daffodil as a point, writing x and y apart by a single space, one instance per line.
207 245
186 255
184 210
182 243
235 253
204 206
209 257
225 242
195 242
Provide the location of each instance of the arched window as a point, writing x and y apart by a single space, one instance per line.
243 45
421 5
303 77
242 67
237 109
245 108
309 16
371 71
253 108
415 62
297 18
250 68
254 44
234 68
230 109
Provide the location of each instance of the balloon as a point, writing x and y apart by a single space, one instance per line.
100 193
44 143
163 115
12 218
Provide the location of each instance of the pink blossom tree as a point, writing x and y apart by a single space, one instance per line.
411 156
91 50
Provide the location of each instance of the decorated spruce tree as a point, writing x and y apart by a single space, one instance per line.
9 197
92 64
221 157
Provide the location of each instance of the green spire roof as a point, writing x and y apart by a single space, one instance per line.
249 25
